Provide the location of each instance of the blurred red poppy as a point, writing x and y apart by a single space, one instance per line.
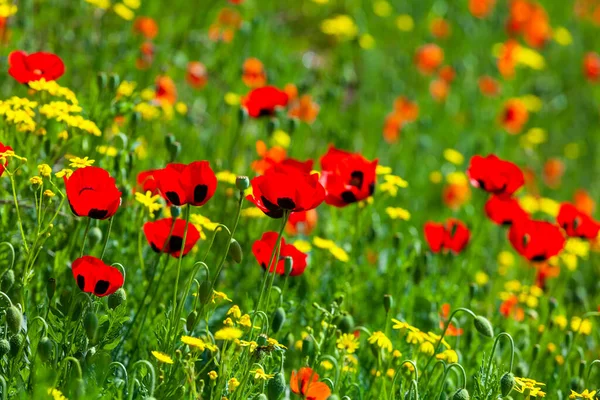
302 222
305 109
453 235
481 8
146 56
146 182
553 172
428 58
488 86
576 223
347 177
495 175
591 66
145 26
263 248
192 184
92 192
165 90
157 235
504 210
264 101
440 28
284 188
305 383
581 200
253 73
507 59
93 276
536 240
4 164
513 116
26 68
196 74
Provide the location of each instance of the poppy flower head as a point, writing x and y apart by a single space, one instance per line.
440 28
453 235
92 192
428 58
504 210
166 92
406 109
488 86
481 8
347 177
392 126
514 115
536 240
439 89
157 235
507 59
577 223
447 73
305 109
495 175
93 276
253 73
456 194
146 27
581 200
263 248
146 56
27 68
3 163
305 382
591 66
283 188
196 74
264 101
192 184
553 172
146 182
302 222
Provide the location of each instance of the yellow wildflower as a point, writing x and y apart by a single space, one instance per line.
398 213
149 201
64 172
228 333
260 374
347 342
123 11
233 384
454 156
77 162
381 340
194 342
213 375
49 193
162 357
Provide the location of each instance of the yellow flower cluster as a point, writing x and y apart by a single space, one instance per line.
398 213
199 344
19 112
586 394
391 184
62 111
54 89
529 386
415 336
149 201
7 8
333 248
528 295
236 317
381 340
340 26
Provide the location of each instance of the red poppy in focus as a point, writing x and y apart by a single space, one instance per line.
591 66
347 177
514 115
576 223
453 235
488 86
495 175
481 8
553 172
284 188
581 200
263 248
181 184
157 235
196 74
504 210
263 101
253 73
536 240
146 182
305 383
145 26
165 90
92 192
93 276
428 58
26 68
452 329
302 222
3 162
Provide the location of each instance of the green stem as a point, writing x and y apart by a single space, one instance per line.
85 234
17 210
185 232
110 222
512 351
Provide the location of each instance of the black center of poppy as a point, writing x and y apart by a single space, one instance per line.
481 183
265 112
286 203
80 281
175 243
200 192
356 179
371 188
348 197
97 214
270 206
525 239
156 249
173 198
101 287
539 257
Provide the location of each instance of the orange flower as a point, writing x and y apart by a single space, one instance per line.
227 23
545 271
428 58
530 181
146 27
584 202
166 92
481 8
454 195
591 66
304 109
514 115
302 222
305 383
488 86
447 73
510 308
196 74
274 155
440 28
508 58
253 73
291 90
408 110
444 314
146 56
553 172
537 30
391 128
439 89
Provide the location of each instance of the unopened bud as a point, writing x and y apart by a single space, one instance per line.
113 82
8 279
242 183
175 211
50 288
101 80
205 292
190 321
293 124
346 324
95 236
278 319
461 394
507 383
14 318
16 342
276 386
288 265
308 347
117 298
552 304
262 339
4 347
388 302
272 126
536 351
44 348
90 325
235 251
242 115
483 326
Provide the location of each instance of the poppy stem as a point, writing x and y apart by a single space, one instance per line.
14 193
85 234
110 222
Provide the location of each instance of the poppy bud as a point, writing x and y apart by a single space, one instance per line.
582 365
288 265
346 324
174 150
175 211
102 331
483 326
190 321
308 347
15 342
397 240
117 298
44 348
101 80
8 279
276 386
4 347
388 302
339 299
552 304
272 126
288 340
90 324
507 383
262 396
113 82
242 115
278 319
79 389
261 340
242 183
576 384
472 290
292 125
535 351
568 339
205 292
335 397
461 394
50 288
14 319
95 236
235 251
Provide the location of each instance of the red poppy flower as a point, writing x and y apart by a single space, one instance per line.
93 276
263 248
284 188
514 116
305 383
576 223
302 222
453 235
196 74
4 164
536 240
157 235
166 91
452 329
26 68
347 177
591 66
264 100
495 175
92 192
146 182
181 184
145 26
503 211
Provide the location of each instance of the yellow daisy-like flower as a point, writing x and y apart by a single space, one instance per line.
232 99
220 295
64 172
213 375
245 321
49 193
383 170
226 176
450 356
56 394
162 357
260 374
586 394
582 326
194 342
381 340
126 89
281 138
228 333
302 245
44 170
454 156
435 177
252 212
347 342
405 23
77 162
149 201
323 243
398 213
232 384
35 180
123 11
427 348
235 311
529 385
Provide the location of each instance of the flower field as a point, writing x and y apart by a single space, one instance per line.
322 199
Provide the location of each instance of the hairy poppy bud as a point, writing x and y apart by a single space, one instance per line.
272 126
4 347
334 397
101 80
388 302
262 396
90 325
346 324
50 288
14 318
95 236
278 319
175 211
288 265
262 339
117 298
308 347
235 251
507 383
276 386
293 124
190 321
339 299
242 115
242 183
8 279
113 82
44 348
568 339
461 394
79 389
16 342
102 331
483 326
205 292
